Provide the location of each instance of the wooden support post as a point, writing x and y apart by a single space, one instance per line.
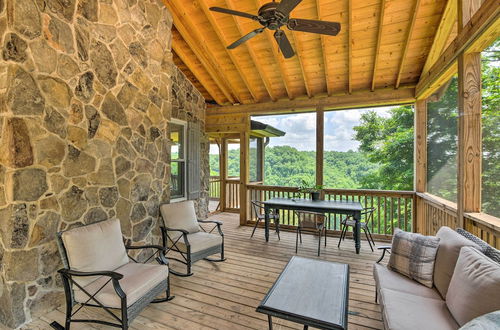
420 172
244 175
223 173
320 139
469 121
260 159
469 135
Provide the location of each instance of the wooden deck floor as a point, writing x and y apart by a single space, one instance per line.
225 295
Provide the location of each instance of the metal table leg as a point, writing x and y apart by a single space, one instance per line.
270 321
266 222
357 231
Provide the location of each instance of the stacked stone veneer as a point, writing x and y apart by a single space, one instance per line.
87 88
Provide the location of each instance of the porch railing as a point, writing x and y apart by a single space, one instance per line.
214 187
232 194
392 208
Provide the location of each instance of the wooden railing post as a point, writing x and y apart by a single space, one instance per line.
420 172
320 139
469 122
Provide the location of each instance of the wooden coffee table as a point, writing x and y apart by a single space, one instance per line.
310 292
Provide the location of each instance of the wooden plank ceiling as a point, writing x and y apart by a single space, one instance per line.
382 44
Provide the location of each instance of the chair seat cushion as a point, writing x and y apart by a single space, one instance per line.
138 279
388 279
199 241
408 311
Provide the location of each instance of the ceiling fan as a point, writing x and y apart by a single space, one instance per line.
274 15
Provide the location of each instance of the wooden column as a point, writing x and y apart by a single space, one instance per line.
223 173
420 167
244 175
469 121
320 139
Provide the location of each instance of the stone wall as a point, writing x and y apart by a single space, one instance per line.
87 88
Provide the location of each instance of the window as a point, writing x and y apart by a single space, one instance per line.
178 160
442 114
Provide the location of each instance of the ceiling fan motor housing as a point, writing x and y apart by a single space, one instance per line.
270 17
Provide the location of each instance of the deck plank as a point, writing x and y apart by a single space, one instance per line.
225 295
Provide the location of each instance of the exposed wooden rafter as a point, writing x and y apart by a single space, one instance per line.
409 32
200 50
448 20
298 51
358 99
258 66
189 61
324 51
483 28
225 42
379 38
349 47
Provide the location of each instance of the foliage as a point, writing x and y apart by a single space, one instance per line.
309 187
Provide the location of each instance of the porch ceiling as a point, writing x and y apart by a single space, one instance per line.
383 44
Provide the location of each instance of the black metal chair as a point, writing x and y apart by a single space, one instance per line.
182 233
367 214
99 272
310 221
258 208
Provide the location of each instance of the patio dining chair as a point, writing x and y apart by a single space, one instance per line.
98 272
367 214
183 234
258 208
310 221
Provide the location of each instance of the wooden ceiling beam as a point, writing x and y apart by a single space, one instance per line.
407 42
448 20
225 42
200 50
482 29
298 53
324 51
263 76
379 39
349 47
188 60
358 99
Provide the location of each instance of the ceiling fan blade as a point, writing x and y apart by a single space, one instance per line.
314 26
245 38
284 43
286 6
234 12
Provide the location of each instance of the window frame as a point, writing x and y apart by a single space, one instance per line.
183 161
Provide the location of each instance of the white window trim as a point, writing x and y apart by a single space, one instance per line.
183 123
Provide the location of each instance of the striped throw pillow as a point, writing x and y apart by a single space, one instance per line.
413 255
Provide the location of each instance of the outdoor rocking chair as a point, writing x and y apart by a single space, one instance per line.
182 233
258 208
98 272
367 213
310 221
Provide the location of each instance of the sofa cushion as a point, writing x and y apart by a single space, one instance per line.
388 279
180 215
475 286
138 279
484 322
487 249
449 248
413 255
408 311
96 247
199 241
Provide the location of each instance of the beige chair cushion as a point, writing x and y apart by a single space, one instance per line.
446 258
475 286
180 215
96 247
199 241
413 255
407 311
138 279
388 279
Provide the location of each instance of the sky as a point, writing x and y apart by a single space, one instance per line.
301 129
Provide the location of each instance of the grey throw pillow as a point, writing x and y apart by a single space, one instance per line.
484 247
484 322
414 255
